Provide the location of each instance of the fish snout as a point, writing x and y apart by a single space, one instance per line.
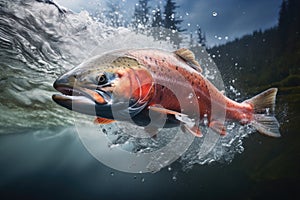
64 80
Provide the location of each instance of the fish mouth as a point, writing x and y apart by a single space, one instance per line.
80 99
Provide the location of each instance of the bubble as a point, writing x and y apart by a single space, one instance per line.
267 111
112 173
174 178
142 180
205 120
226 37
169 168
214 14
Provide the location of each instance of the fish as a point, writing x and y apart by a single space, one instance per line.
155 88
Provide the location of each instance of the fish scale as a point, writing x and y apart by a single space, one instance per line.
137 81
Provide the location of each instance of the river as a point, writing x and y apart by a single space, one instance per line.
43 157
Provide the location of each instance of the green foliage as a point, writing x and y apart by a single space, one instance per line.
172 23
264 57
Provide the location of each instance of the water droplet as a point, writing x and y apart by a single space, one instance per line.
174 178
112 173
143 180
268 111
187 14
190 95
205 120
189 24
214 14
219 38
235 64
226 37
169 168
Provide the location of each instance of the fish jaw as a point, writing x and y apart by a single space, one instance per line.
82 100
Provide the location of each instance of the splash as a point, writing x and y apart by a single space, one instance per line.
38 42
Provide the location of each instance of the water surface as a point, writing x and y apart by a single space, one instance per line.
42 157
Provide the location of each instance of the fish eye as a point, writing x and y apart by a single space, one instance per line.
102 79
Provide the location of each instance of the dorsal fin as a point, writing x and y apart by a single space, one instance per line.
189 57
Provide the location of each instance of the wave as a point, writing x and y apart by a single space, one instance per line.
38 42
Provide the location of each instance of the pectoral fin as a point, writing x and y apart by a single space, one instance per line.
100 120
188 123
179 116
162 110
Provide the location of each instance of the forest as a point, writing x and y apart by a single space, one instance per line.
160 21
268 58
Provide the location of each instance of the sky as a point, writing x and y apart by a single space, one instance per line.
221 20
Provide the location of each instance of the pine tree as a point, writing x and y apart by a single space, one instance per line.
141 15
157 20
172 23
201 37
114 14
283 22
157 23
191 40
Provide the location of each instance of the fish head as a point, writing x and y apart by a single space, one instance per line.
106 85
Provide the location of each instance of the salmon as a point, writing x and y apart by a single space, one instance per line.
159 89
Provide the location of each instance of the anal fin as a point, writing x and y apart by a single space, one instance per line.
195 130
218 127
100 120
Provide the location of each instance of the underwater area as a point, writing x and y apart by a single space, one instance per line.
42 156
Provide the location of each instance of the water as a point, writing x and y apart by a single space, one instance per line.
42 156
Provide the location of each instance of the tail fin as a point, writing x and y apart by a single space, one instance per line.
264 107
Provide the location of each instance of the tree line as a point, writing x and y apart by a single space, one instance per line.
162 23
269 57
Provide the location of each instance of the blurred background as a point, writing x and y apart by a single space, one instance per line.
255 45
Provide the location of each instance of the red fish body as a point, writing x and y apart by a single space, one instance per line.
169 84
